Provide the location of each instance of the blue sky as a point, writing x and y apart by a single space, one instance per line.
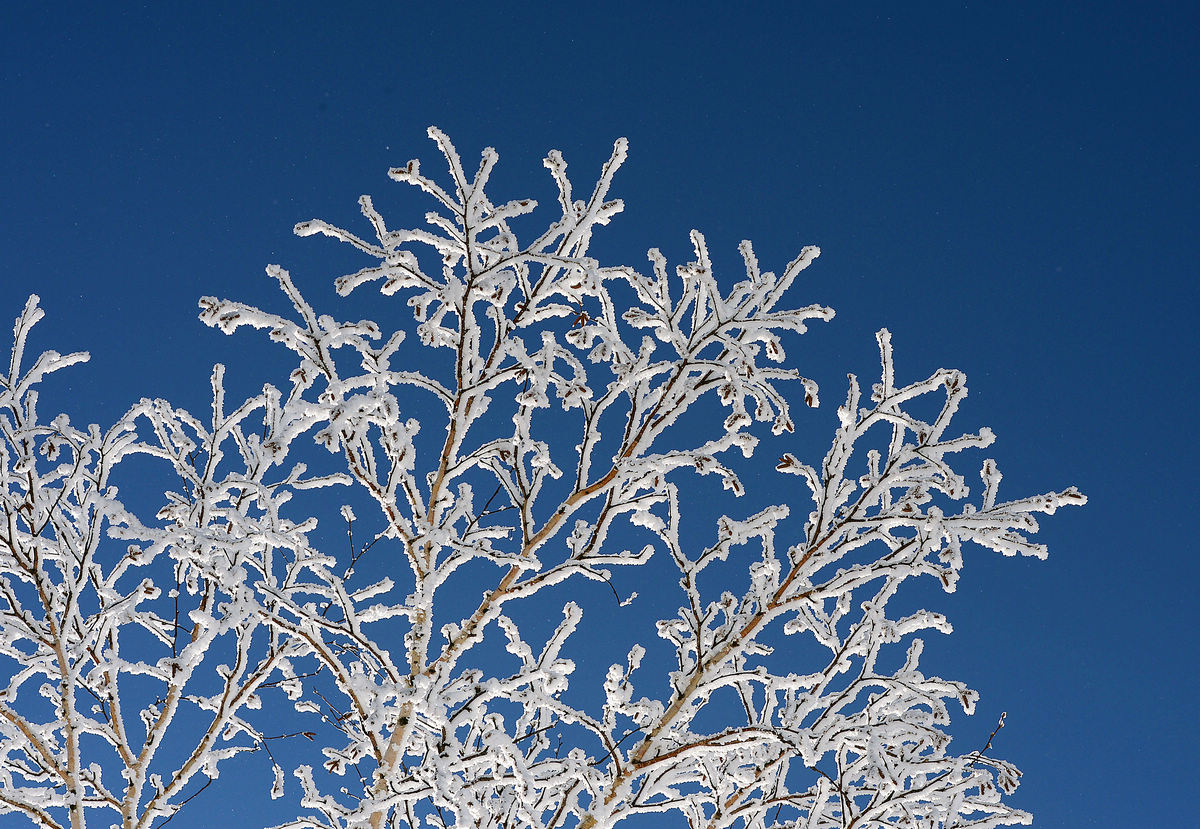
1010 188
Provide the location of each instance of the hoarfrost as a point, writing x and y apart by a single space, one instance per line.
532 354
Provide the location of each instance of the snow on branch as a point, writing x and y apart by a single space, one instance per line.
532 422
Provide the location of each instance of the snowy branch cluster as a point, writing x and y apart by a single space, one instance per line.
533 428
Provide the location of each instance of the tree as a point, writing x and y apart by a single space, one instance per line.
575 401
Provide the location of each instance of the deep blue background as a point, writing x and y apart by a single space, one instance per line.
1010 188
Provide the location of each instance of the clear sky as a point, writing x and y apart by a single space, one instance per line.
1011 188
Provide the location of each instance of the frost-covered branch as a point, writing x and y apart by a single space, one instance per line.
532 421
111 624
